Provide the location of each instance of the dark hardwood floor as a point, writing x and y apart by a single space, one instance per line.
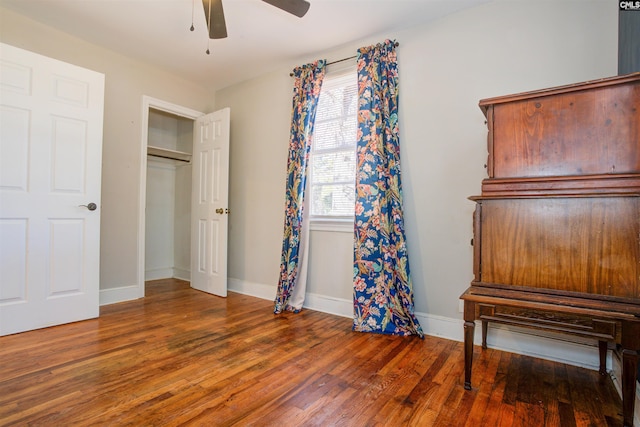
180 356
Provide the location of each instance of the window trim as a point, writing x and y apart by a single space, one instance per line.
335 224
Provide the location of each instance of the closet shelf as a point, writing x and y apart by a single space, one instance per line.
168 154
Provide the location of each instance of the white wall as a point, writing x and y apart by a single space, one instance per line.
127 80
445 68
260 112
160 219
168 220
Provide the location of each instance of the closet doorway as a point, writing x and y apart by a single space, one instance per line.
168 201
183 202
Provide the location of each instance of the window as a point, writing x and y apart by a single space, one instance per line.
333 153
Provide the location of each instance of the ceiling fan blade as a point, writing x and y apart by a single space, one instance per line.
294 7
214 15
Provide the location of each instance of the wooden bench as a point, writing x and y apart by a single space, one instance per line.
604 319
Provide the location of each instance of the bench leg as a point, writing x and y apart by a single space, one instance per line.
630 356
629 372
485 327
469 330
602 347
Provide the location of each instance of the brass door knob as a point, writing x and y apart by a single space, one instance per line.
220 211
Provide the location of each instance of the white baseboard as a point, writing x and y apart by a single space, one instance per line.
168 272
258 290
158 273
337 306
128 293
440 326
322 303
114 295
182 273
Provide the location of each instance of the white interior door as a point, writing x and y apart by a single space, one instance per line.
209 203
51 116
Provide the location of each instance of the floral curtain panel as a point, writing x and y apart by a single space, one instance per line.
292 281
383 294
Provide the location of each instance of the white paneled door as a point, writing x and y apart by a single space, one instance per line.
209 203
51 116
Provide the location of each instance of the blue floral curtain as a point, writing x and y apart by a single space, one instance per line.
306 91
383 294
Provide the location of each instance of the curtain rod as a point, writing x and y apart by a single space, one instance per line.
341 60
396 44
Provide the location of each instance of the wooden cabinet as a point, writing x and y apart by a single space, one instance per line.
579 244
557 226
583 129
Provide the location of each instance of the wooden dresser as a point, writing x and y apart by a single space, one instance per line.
556 232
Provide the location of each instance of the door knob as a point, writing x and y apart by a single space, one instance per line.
220 211
90 206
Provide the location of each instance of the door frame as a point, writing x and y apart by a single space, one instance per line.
168 107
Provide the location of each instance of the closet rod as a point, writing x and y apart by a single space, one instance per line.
168 157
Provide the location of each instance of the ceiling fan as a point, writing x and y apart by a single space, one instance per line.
215 15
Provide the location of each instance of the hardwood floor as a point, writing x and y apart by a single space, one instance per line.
180 356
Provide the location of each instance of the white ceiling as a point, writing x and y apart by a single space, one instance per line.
260 36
